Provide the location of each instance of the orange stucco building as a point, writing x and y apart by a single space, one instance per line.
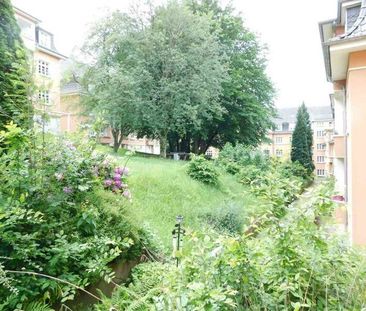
344 49
280 138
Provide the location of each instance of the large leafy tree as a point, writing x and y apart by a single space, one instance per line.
302 140
247 97
182 71
108 80
14 71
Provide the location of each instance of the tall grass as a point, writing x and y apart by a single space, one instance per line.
161 190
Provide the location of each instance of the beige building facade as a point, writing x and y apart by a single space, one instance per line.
46 64
280 139
72 121
344 49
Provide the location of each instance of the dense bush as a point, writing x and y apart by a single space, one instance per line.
293 264
228 219
234 157
57 219
202 170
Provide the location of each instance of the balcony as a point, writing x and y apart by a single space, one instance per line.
339 146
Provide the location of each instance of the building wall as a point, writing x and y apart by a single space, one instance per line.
44 82
281 143
279 146
356 109
321 130
70 113
50 82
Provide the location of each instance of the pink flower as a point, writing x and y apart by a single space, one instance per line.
70 146
67 190
127 194
118 184
117 176
118 170
108 182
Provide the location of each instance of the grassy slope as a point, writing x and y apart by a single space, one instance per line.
161 190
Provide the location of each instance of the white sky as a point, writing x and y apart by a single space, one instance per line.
288 27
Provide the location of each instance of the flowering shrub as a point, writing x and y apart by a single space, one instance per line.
57 218
115 180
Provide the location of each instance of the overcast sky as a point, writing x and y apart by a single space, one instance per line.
288 27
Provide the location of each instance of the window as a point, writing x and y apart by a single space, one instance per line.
320 159
320 133
44 97
279 140
266 152
44 39
320 146
320 172
285 126
352 15
279 153
43 68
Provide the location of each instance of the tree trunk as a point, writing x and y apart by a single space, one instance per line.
163 145
116 140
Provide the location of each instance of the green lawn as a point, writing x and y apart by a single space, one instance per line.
161 190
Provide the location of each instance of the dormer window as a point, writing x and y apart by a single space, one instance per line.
285 126
352 14
44 39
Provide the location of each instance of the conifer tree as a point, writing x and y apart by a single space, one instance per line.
14 71
302 140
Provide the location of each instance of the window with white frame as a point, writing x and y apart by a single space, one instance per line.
320 159
320 146
44 97
43 68
279 140
352 15
320 133
320 172
266 152
279 153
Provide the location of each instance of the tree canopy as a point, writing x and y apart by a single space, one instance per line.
190 75
14 72
302 140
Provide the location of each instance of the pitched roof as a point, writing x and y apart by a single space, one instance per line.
359 27
319 113
71 88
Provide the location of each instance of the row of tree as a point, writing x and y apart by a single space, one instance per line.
188 73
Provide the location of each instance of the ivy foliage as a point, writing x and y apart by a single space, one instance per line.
15 104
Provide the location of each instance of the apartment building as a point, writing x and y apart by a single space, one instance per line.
280 138
344 50
72 120
46 61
